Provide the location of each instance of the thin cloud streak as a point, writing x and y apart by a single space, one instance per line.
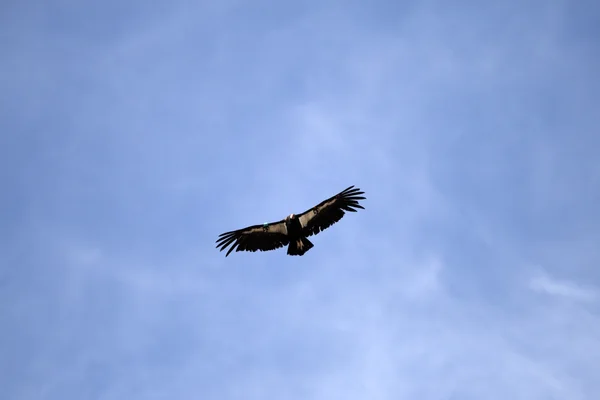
548 285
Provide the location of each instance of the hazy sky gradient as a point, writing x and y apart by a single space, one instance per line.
135 133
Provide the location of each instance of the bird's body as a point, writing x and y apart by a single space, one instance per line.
298 243
294 229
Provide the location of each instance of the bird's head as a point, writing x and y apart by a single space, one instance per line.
290 217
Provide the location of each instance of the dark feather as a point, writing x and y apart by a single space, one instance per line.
257 237
330 211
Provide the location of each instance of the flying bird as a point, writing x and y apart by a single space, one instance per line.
294 229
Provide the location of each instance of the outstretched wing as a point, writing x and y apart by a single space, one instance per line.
257 237
330 211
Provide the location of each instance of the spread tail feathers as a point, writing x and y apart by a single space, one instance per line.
299 247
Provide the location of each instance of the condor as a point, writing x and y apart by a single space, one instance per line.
294 229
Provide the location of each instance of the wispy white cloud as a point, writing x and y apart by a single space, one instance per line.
547 285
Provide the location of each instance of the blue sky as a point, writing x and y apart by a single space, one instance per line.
135 133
